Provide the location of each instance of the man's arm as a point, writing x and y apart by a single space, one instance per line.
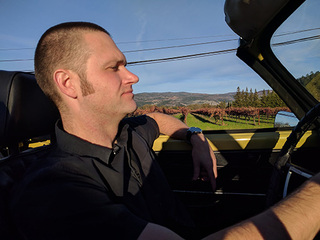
204 161
296 217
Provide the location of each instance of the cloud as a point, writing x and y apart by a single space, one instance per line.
142 19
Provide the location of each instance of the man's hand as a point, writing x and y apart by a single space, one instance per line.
204 160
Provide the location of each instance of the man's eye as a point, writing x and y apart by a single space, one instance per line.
116 68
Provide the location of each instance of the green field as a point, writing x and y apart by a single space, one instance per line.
207 123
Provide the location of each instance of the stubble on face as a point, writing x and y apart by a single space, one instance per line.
106 62
86 87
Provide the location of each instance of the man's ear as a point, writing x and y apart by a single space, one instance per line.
66 82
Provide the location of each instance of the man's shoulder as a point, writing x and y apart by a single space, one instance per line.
142 121
135 121
143 125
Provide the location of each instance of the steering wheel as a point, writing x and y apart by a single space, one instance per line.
283 162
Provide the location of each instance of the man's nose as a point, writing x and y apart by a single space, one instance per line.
131 77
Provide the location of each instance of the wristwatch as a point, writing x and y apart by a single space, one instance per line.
191 131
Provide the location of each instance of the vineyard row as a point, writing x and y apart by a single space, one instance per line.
216 113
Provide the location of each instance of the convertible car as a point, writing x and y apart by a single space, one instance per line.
256 168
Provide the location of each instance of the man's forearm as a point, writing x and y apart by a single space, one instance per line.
175 128
170 126
296 217
300 213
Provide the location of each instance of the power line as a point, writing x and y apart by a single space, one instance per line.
178 46
17 60
184 57
159 40
188 38
198 55
150 49
289 42
211 42
190 56
173 39
294 32
15 49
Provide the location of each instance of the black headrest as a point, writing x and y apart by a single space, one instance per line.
25 112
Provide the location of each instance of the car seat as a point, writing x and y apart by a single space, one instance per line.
25 113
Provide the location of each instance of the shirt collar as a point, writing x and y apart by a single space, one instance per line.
75 145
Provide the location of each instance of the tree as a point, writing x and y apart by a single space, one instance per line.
246 101
237 98
255 99
250 99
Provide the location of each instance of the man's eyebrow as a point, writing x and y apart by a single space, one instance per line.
115 62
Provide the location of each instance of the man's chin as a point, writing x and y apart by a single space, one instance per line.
133 109
136 107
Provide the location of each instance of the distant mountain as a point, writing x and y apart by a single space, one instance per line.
181 98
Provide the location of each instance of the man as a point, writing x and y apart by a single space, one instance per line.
101 180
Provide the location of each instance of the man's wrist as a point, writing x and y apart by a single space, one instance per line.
193 131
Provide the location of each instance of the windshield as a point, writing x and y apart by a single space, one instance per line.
296 44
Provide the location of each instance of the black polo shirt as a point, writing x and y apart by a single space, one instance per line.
79 190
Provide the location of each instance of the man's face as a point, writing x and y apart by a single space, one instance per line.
111 81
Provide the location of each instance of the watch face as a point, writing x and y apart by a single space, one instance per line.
195 130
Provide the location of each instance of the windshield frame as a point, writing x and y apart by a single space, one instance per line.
257 53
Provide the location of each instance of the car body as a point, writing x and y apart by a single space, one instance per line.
246 158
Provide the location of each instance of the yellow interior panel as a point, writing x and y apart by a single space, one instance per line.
230 141
239 141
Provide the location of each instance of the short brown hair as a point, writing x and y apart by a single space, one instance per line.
62 46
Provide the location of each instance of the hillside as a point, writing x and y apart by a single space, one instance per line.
181 98
314 87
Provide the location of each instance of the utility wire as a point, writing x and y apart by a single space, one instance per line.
178 46
184 57
211 42
173 39
15 49
17 60
198 55
294 32
296 41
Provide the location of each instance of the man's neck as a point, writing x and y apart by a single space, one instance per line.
102 133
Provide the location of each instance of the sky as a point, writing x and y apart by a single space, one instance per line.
150 29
